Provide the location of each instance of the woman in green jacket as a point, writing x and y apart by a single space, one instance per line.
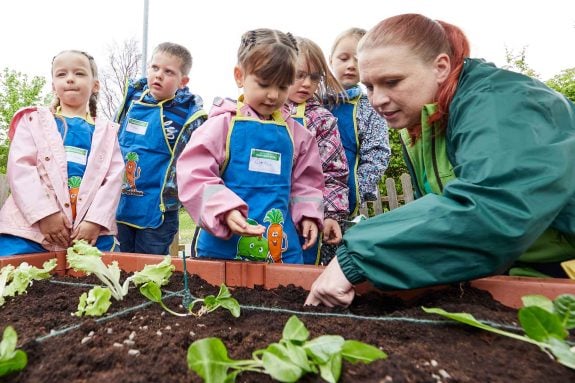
492 153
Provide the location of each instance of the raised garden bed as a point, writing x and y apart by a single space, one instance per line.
421 347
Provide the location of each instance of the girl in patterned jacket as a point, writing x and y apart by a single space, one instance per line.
251 175
313 83
64 169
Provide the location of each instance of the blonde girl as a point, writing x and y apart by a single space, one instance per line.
363 132
64 167
313 84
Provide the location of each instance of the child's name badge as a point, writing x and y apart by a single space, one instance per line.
264 161
136 126
76 155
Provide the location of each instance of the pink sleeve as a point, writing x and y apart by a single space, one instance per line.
200 187
307 178
31 195
103 208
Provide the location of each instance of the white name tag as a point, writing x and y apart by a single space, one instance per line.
264 161
76 155
136 126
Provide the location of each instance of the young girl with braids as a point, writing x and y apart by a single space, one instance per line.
251 176
313 84
64 167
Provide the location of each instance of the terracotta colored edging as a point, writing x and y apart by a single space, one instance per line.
37 260
505 289
509 290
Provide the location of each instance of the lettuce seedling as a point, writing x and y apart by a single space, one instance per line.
94 303
88 259
11 360
546 323
15 280
84 257
210 303
287 361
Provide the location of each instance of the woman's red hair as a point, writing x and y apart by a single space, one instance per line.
428 39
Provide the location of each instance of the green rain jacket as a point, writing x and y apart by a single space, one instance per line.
500 178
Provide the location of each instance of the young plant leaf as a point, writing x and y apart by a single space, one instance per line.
210 303
159 273
95 303
331 370
322 348
354 351
540 324
277 362
538 300
294 330
208 357
22 276
11 359
564 306
154 293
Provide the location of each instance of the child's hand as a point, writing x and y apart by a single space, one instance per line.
309 232
331 232
88 231
54 229
238 225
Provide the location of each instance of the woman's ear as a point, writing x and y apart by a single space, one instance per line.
442 68
239 76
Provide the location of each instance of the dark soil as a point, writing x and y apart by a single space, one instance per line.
88 350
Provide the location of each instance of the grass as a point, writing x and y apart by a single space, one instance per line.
187 227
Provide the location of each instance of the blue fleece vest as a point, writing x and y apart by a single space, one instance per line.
346 114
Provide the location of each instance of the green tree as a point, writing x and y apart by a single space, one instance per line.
517 62
564 83
16 90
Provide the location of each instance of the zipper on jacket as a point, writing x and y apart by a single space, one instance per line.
434 160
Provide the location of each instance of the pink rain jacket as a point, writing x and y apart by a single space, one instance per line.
37 174
203 193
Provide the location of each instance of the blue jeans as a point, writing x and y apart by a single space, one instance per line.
13 245
149 241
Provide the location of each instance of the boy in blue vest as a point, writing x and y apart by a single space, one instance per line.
157 118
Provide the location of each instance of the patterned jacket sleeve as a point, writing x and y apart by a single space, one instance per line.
374 151
323 125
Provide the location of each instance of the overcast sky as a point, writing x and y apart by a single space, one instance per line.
34 31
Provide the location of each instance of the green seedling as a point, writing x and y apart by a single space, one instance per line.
84 257
153 292
11 360
286 361
546 323
210 303
16 280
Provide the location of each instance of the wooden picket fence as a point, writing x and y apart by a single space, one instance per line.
4 189
392 200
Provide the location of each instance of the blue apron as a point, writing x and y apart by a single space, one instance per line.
147 155
76 134
346 113
311 256
258 168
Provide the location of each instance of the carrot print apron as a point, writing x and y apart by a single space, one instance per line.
258 168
